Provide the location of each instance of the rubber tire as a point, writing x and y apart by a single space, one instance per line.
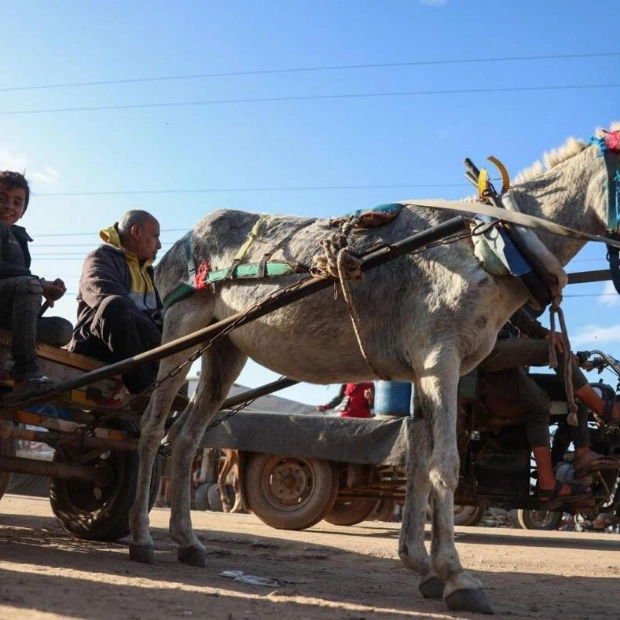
215 501
102 514
468 515
351 510
384 511
201 497
289 493
539 519
7 448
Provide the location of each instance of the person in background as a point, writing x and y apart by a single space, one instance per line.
521 343
119 310
355 400
22 293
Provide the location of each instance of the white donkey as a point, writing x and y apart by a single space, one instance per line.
427 318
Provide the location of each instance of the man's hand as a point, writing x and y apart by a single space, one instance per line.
53 291
321 408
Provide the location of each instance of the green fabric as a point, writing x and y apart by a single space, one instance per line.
240 272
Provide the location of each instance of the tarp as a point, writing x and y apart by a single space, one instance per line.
351 440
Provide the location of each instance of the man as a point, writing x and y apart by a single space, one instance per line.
357 399
21 292
119 311
505 382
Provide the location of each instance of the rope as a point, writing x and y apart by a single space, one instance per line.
325 265
553 361
337 262
343 255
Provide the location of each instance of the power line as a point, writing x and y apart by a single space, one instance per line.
412 93
300 188
384 65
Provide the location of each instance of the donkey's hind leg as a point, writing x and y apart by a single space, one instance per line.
225 469
221 365
172 371
152 430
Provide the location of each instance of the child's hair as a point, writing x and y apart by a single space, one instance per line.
10 180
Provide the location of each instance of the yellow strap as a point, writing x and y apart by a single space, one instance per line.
502 170
251 237
483 182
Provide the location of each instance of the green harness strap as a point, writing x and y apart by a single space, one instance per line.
198 280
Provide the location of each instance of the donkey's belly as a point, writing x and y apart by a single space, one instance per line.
308 344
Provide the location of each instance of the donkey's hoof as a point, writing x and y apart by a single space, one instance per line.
474 600
194 556
432 587
142 553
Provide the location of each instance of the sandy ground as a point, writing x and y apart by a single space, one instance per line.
326 572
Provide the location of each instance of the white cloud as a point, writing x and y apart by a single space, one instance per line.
434 2
48 175
595 336
11 160
20 162
609 297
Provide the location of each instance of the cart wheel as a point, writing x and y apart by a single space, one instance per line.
539 519
468 515
290 493
351 511
100 513
7 448
384 510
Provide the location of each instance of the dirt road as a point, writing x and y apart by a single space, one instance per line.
327 572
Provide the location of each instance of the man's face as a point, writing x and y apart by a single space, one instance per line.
146 240
12 204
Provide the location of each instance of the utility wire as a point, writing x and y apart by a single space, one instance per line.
383 65
252 189
412 93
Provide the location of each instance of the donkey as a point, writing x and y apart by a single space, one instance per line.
427 317
230 463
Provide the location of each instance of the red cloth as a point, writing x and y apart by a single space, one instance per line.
357 405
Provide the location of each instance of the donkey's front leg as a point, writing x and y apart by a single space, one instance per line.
412 550
462 591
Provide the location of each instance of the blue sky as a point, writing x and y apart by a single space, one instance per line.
312 108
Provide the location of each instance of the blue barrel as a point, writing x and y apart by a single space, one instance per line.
392 398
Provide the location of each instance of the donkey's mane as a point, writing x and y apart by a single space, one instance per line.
551 158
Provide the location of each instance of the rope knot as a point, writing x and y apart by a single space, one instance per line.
336 260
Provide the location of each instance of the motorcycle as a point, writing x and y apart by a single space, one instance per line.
497 468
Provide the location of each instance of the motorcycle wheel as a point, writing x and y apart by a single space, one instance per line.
539 519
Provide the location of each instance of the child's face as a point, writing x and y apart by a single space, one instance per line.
12 204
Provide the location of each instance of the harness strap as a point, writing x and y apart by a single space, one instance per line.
243 250
612 166
205 278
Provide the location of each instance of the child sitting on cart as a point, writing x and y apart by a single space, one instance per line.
22 293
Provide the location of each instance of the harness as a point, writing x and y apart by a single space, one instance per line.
201 276
505 249
609 149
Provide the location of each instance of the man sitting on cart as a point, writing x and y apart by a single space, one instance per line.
21 292
119 310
